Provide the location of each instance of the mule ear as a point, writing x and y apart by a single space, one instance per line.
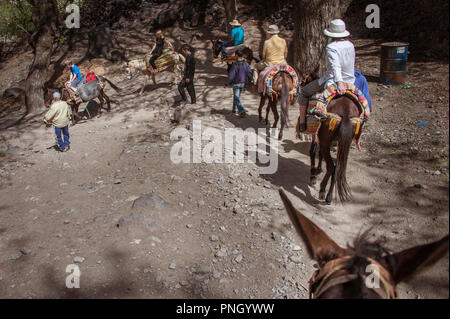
411 261
320 247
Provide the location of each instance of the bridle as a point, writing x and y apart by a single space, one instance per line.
336 272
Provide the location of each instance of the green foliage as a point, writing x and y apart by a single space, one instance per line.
15 18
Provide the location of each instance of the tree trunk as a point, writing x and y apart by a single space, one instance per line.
313 16
44 17
230 11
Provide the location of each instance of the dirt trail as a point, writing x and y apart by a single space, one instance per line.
220 230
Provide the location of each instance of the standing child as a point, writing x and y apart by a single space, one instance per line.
240 71
59 116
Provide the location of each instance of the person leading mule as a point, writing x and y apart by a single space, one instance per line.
340 67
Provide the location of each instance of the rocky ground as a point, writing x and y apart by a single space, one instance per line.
140 226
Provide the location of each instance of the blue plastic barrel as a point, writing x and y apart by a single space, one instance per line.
394 56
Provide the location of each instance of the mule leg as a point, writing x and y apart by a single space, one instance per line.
108 102
175 74
312 156
319 166
273 106
154 79
261 105
75 116
325 150
145 84
268 108
100 98
329 197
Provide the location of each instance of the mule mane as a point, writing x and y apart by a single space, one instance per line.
363 247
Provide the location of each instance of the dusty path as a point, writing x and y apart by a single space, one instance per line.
222 231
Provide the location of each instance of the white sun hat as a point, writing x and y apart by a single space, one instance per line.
273 29
336 29
235 23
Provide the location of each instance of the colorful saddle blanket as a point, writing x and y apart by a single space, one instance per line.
317 109
167 59
318 106
268 75
73 96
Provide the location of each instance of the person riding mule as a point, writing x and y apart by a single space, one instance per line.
158 49
274 52
339 67
237 37
75 76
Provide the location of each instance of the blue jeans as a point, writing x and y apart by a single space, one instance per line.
225 45
64 131
237 89
75 82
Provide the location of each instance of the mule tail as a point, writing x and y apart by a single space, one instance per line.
345 137
285 92
115 87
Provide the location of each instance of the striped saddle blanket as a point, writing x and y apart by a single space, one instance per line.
73 96
229 51
167 59
269 73
317 107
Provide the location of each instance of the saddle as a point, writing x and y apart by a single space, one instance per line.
167 59
86 90
317 110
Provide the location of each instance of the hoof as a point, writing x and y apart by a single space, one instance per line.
329 200
321 195
313 181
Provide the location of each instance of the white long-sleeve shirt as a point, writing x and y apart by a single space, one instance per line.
340 63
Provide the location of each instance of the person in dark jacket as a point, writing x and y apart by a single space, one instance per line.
240 71
188 77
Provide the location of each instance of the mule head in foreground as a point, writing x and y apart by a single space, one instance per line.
364 270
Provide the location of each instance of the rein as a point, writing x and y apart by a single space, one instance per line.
335 272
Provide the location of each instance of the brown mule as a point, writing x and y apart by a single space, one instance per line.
364 271
282 86
343 126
